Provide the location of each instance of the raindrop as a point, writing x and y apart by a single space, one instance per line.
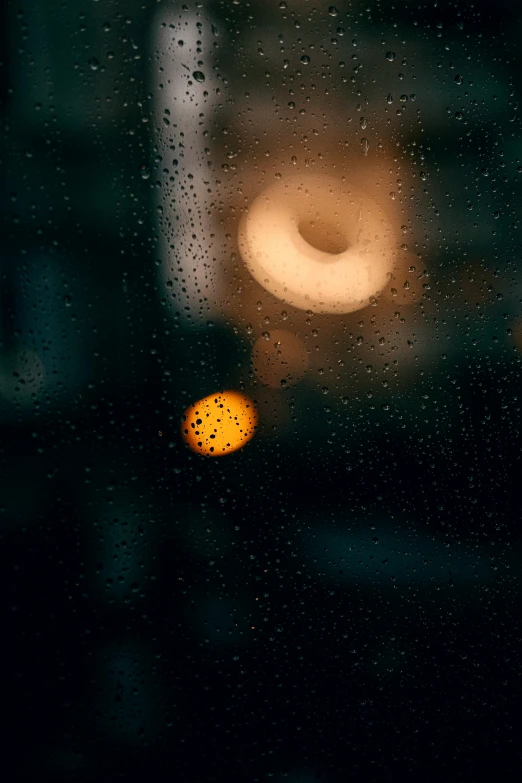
390 56
305 59
199 76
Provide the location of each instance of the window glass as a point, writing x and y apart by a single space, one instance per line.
260 369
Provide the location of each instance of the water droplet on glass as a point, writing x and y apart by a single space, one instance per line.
94 64
365 144
390 56
458 79
333 11
305 59
199 76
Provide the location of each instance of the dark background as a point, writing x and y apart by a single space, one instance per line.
338 601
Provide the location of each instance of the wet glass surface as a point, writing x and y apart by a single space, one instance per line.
260 371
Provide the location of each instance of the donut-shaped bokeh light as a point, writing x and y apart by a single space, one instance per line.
318 243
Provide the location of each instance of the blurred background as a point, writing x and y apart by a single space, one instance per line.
340 599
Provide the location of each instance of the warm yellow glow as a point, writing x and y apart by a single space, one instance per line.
220 423
279 360
318 244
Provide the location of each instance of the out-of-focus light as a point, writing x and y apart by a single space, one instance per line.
220 423
190 234
280 359
318 244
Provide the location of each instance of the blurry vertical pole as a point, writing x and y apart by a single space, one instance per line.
186 93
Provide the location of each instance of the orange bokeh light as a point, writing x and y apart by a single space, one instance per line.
220 423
